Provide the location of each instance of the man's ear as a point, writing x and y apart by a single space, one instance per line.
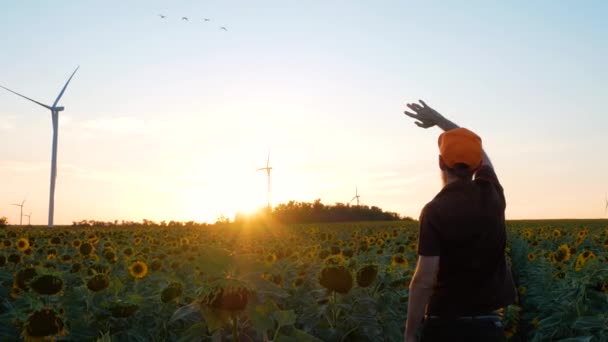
442 165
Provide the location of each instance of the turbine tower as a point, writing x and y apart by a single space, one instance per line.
356 196
21 214
606 207
55 119
29 216
267 168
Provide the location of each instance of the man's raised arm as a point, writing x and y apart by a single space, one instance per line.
428 117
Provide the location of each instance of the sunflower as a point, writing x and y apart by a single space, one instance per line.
98 282
336 278
227 294
138 269
120 309
563 253
580 262
335 260
22 244
556 233
47 284
399 260
76 243
86 248
66 258
335 250
171 292
531 256
23 277
15 258
94 239
156 264
522 290
366 275
536 322
43 325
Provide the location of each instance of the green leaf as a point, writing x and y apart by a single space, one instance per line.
303 336
577 339
283 338
6 276
195 333
135 298
215 319
184 312
261 318
105 337
285 317
589 322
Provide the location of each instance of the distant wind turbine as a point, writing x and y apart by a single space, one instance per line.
55 118
29 216
21 214
356 196
606 208
267 168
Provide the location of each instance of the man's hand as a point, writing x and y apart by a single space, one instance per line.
427 117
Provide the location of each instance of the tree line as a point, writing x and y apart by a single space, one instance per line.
292 212
316 212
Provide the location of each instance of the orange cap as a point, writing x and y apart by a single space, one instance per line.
460 145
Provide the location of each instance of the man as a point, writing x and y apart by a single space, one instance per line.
461 278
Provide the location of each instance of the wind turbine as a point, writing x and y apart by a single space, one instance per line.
356 196
606 208
29 216
55 118
267 168
21 214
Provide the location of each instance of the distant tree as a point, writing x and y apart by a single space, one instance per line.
3 222
303 212
222 219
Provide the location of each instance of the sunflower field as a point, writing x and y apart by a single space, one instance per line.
270 282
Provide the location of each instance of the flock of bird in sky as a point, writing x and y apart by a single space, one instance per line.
162 16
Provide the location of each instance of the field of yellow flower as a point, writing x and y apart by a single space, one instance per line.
268 282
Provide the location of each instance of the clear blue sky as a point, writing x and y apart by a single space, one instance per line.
168 119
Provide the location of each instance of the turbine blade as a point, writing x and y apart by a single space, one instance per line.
65 86
27 98
260 169
268 160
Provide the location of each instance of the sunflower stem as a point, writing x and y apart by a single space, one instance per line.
333 309
235 328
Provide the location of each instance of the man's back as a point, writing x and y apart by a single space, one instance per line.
464 224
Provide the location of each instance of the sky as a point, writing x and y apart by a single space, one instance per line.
168 119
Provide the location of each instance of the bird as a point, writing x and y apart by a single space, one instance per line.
162 16
185 18
207 19
223 28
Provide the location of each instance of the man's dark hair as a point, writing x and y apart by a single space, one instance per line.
460 170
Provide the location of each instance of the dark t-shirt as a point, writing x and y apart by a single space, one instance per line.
465 226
